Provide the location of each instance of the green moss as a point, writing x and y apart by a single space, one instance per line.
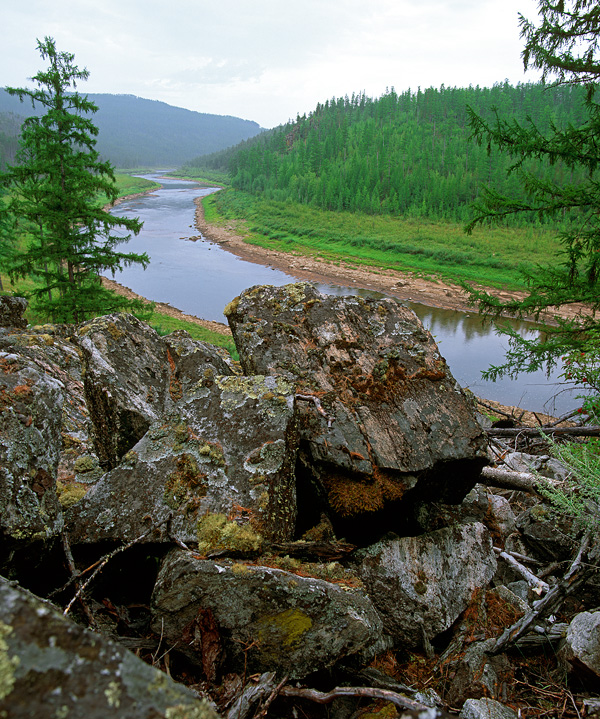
86 463
213 452
8 664
185 487
231 308
285 629
70 494
216 533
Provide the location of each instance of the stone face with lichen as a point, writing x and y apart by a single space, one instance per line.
126 381
421 585
403 430
268 619
30 423
229 451
51 667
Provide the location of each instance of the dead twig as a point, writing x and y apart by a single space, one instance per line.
495 477
274 694
74 577
251 694
538 585
590 431
318 405
368 692
575 576
104 561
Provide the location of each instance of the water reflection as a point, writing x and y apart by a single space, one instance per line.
200 278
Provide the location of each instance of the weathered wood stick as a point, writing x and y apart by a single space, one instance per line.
495 477
550 603
538 585
369 692
591 431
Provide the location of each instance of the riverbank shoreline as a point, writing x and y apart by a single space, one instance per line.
405 286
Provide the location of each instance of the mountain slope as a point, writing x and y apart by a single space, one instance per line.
136 132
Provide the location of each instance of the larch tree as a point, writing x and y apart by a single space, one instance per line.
563 44
66 238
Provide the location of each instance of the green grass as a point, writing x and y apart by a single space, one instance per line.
205 176
129 185
490 256
164 324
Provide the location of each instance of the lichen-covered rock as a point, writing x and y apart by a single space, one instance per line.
30 422
52 350
420 585
126 381
11 311
230 453
402 431
193 361
478 673
51 667
582 643
268 619
486 709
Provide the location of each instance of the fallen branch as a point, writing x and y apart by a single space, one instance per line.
538 585
251 694
311 550
108 557
367 692
574 577
495 477
592 431
318 405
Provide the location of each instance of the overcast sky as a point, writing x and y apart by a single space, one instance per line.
268 60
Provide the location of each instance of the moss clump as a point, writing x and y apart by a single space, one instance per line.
231 308
70 494
8 664
350 497
215 533
285 629
214 453
186 486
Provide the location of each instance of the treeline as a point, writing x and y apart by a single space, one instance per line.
135 132
407 153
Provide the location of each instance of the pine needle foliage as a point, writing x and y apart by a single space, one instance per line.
52 203
564 45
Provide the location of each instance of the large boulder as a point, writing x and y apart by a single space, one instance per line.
400 430
582 643
230 453
30 424
51 667
268 619
421 585
126 379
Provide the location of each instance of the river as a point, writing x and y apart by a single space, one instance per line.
200 278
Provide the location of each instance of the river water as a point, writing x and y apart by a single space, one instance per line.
200 278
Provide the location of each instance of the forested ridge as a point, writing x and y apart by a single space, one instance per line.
135 132
409 153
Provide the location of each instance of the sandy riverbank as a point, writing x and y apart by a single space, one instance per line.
403 285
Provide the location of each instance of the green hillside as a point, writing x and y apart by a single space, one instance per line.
405 154
134 132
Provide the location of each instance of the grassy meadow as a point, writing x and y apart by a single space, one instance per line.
491 256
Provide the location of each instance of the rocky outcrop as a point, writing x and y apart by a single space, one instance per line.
230 452
268 619
400 430
420 585
30 437
297 519
51 667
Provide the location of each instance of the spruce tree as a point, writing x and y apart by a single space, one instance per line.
564 45
55 185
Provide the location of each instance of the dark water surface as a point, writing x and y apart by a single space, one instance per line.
200 278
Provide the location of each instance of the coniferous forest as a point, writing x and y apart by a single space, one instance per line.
407 154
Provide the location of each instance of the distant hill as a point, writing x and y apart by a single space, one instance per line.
408 154
135 132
